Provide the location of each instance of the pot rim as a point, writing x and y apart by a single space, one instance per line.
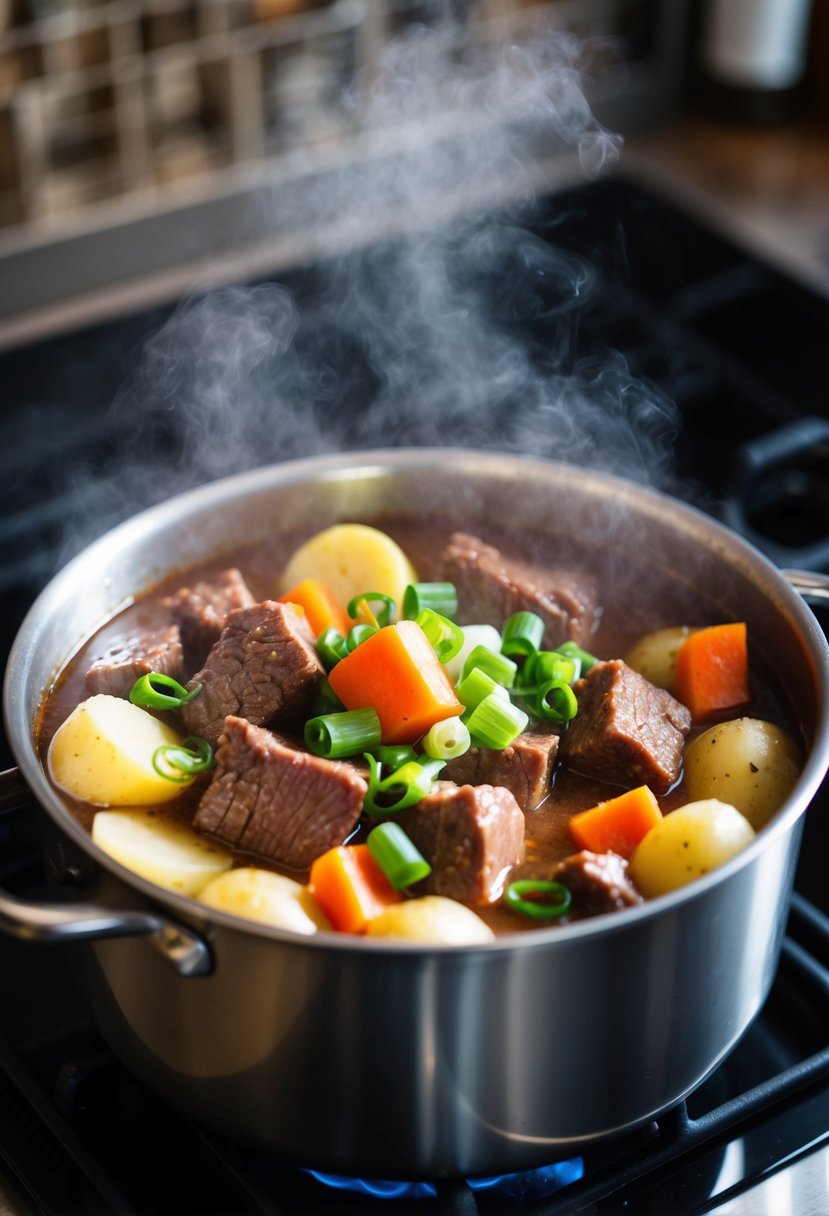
356 465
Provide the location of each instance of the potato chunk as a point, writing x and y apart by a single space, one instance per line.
351 559
432 919
688 843
170 854
748 762
103 754
654 655
271 899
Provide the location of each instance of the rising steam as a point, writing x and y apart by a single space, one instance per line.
464 333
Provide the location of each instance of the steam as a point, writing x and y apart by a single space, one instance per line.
463 333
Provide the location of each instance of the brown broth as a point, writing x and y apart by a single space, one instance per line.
624 618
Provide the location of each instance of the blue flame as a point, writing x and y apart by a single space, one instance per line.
523 1187
376 1187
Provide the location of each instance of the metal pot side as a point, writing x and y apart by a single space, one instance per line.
400 1061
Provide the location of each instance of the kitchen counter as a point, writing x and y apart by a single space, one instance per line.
766 188
769 187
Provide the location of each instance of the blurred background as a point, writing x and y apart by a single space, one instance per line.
113 111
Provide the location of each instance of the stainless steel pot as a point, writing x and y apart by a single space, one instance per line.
396 1060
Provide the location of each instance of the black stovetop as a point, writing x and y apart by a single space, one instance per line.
683 357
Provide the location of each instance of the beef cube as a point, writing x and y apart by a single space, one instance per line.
134 656
627 731
264 665
524 768
275 801
201 612
471 835
492 587
598 882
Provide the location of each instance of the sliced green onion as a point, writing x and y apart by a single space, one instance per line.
331 647
358 634
447 739
404 787
440 597
573 651
551 899
394 755
179 762
444 635
521 634
382 615
473 635
495 722
547 665
477 685
147 692
498 666
343 734
402 863
555 701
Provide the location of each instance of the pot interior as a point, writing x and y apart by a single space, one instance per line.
657 559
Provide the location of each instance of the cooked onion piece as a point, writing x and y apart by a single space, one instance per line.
748 762
103 754
431 919
654 655
351 559
688 843
271 899
168 853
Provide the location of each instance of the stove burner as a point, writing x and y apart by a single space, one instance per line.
524 1187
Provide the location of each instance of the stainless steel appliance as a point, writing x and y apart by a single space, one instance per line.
700 323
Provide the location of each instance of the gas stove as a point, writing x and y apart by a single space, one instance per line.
710 362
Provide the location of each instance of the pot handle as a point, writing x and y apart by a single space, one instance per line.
31 920
810 584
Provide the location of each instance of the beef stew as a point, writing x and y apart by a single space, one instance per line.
627 731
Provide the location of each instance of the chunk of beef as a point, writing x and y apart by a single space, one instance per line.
275 801
201 611
264 665
471 835
598 882
627 731
524 768
129 658
491 587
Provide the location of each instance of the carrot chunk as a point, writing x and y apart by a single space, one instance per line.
320 606
712 670
350 887
617 825
398 673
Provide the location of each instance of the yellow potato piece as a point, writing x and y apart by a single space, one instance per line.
654 655
432 919
686 844
271 899
167 853
351 559
748 762
103 754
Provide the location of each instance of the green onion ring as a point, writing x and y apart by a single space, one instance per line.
146 692
445 637
347 733
384 614
544 909
189 758
440 597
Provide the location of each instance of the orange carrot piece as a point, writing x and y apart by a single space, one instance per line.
350 887
712 670
319 605
398 673
618 824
